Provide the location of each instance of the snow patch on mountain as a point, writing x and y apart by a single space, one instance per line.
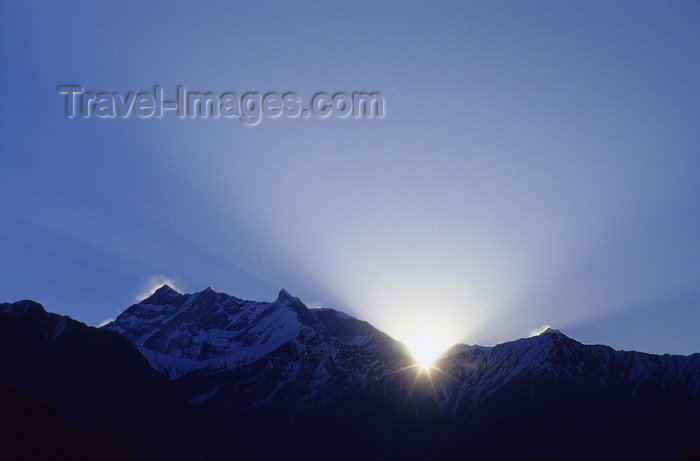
179 333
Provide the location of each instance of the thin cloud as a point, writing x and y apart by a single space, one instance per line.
105 322
153 283
538 331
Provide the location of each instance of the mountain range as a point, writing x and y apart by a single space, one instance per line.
211 376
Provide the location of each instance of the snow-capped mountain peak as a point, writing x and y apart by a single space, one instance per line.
551 331
162 295
180 333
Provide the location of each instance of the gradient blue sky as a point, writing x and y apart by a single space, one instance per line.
538 165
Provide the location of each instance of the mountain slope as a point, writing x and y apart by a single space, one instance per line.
282 370
299 383
560 399
480 371
310 380
97 382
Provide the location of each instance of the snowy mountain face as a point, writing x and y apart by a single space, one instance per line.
276 371
473 373
212 332
281 371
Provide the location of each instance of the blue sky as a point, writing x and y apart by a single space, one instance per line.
537 165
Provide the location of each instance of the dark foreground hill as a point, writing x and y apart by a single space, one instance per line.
96 386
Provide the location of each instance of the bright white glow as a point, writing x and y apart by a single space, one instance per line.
105 322
538 331
153 283
419 312
425 348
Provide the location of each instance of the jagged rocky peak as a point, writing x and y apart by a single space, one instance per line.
285 298
303 314
284 294
208 295
162 295
165 288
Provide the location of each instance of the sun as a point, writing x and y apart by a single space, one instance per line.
424 358
426 344
424 365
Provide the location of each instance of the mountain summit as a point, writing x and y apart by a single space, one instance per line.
162 295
